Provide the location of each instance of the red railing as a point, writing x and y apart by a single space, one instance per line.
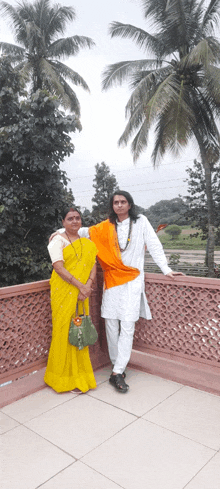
182 342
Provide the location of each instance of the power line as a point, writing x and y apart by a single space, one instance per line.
138 190
159 181
129 169
153 183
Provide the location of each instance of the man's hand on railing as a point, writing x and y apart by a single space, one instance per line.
173 274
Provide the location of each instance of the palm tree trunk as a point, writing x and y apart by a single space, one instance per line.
211 232
211 229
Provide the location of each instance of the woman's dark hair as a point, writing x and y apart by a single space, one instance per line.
69 209
132 211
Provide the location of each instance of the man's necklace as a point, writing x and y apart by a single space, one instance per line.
129 236
78 259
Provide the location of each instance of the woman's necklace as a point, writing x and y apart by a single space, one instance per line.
78 259
129 237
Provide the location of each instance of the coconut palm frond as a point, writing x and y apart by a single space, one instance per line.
133 125
118 72
166 92
140 141
211 16
139 75
142 38
52 82
171 133
8 48
204 125
212 86
142 93
17 22
56 21
155 10
204 54
74 102
67 72
147 87
159 147
137 78
69 46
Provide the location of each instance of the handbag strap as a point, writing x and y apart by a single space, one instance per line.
80 309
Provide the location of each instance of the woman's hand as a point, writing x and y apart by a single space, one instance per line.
83 293
85 290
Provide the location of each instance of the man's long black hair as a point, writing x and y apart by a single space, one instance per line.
132 211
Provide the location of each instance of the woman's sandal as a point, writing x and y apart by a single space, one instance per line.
118 382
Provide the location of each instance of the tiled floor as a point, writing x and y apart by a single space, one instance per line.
160 435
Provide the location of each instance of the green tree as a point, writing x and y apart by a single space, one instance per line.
37 56
196 201
174 231
167 212
34 139
105 185
177 93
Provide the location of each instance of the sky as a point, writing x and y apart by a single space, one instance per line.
103 113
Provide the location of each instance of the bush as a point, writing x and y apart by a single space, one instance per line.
174 231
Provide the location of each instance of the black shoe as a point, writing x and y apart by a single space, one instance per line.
123 374
118 382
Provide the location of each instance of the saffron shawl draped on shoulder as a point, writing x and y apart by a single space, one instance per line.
115 272
67 367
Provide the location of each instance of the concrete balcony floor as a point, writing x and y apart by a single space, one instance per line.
160 435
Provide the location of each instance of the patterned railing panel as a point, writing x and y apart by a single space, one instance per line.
26 322
186 318
25 328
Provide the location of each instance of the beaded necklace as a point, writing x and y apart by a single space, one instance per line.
129 236
78 259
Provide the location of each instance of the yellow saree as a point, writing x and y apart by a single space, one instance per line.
67 367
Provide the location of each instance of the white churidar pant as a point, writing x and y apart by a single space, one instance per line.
120 339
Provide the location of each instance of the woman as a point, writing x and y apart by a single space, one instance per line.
74 271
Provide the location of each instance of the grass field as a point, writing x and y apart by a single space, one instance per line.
184 240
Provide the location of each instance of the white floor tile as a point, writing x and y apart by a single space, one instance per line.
79 476
208 477
102 375
28 460
6 423
192 413
144 455
80 425
145 392
31 406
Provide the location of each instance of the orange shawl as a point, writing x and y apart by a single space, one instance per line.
104 236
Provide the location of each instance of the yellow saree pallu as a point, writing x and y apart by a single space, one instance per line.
69 368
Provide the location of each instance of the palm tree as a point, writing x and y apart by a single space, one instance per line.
37 57
177 92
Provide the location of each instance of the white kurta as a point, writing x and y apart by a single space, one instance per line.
128 302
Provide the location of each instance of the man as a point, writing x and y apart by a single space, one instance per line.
121 241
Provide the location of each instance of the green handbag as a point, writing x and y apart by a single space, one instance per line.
82 332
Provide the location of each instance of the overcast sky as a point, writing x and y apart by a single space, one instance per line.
103 114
